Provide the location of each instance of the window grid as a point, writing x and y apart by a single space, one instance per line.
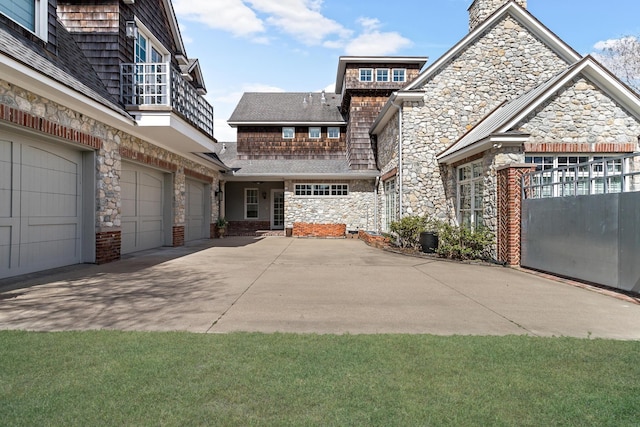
288 133
315 133
471 195
391 203
366 74
399 75
322 190
251 203
382 75
333 133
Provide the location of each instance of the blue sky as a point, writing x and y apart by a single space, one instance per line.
294 45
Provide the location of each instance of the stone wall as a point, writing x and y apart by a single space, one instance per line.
480 10
355 210
110 144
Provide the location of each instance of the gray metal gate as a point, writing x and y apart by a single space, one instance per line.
583 221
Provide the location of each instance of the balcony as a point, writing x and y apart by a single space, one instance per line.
155 88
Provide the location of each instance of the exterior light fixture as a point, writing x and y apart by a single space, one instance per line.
264 195
132 30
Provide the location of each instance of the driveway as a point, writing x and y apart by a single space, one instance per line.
308 286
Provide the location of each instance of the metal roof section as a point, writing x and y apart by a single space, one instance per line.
344 60
521 15
294 108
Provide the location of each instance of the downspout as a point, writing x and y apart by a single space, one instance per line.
400 149
375 205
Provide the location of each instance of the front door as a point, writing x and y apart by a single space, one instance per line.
277 210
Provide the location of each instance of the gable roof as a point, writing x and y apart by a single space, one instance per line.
521 15
344 60
498 125
287 108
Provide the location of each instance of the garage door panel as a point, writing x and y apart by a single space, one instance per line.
5 247
142 208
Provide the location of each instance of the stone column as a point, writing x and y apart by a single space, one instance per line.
510 211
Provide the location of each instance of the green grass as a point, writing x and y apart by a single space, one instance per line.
119 378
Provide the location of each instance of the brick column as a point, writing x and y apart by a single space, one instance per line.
108 246
178 235
510 212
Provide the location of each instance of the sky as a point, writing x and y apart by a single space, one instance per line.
294 45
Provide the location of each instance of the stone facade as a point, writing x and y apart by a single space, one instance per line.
500 65
356 210
111 146
480 10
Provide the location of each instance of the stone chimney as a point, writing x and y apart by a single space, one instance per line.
480 10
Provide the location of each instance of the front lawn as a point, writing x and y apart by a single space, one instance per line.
181 379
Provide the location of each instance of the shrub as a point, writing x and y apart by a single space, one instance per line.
408 230
457 242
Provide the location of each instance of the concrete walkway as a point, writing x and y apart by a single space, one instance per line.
308 286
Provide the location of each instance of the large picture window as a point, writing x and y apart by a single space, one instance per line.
390 203
251 203
471 195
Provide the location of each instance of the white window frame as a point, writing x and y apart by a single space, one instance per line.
588 177
333 129
386 76
321 189
41 20
390 203
248 203
311 132
404 75
152 43
371 74
473 215
285 132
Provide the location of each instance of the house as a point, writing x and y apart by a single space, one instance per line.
304 161
510 94
106 140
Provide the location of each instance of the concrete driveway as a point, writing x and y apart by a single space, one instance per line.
308 286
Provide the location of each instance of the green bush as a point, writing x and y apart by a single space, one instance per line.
454 242
457 242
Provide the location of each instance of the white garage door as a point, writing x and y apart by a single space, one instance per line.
40 206
142 208
195 225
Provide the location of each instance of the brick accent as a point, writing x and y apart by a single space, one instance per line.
197 175
127 153
108 246
178 235
303 229
28 120
246 228
213 231
563 147
375 240
510 212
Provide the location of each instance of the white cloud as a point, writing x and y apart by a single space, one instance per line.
228 15
372 41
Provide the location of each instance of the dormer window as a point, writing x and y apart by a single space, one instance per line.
288 133
314 133
366 74
399 75
382 75
31 14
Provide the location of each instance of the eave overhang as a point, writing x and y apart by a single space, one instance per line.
390 108
235 124
344 60
493 141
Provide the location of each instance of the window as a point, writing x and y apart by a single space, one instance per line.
31 14
314 133
152 74
390 203
382 75
288 133
333 133
471 195
250 203
399 75
322 190
366 75
576 179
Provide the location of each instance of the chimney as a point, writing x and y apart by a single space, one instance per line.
480 10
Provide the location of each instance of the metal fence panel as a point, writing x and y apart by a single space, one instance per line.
630 242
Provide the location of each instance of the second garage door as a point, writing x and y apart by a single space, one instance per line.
196 225
142 208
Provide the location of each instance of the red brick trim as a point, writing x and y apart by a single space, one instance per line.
129 154
509 233
178 235
197 175
391 174
108 246
213 231
565 147
375 240
302 229
28 120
